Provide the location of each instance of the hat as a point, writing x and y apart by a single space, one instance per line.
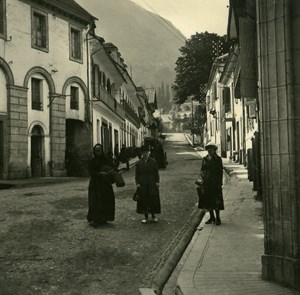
211 144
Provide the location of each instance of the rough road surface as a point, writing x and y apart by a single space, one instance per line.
47 247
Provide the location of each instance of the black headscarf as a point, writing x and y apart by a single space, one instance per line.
94 148
103 159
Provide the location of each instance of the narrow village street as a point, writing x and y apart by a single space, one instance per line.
87 88
47 247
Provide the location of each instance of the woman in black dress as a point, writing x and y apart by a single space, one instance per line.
212 176
101 198
147 182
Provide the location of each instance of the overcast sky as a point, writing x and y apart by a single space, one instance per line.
191 16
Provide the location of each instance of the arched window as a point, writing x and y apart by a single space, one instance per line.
37 94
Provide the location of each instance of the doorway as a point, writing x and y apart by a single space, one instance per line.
78 148
37 147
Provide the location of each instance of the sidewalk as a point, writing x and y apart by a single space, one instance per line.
226 259
29 182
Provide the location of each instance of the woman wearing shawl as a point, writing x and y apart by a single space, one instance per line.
101 197
147 182
212 175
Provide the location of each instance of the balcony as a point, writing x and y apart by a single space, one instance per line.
111 102
131 114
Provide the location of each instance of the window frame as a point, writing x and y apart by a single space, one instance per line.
40 101
3 34
76 59
34 12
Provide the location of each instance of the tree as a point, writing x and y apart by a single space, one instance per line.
194 65
199 119
168 95
160 125
192 73
163 91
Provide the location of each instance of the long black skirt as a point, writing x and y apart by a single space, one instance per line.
101 201
148 203
210 198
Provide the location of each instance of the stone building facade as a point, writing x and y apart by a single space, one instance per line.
43 85
215 113
279 93
115 99
273 26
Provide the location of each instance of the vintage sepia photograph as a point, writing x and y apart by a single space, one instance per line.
149 147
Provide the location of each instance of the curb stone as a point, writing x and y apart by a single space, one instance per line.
164 273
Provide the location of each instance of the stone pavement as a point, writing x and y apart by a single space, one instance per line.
226 259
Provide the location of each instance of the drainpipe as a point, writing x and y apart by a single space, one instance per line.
233 147
89 104
89 117
244 132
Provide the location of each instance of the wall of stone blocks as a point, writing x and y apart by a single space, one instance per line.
279 74
4 148
58 136
17 137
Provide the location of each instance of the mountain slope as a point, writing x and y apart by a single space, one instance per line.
148 44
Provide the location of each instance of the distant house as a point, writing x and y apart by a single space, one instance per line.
149 124
108 91
43 87
152 102
241 77
217 125
232 95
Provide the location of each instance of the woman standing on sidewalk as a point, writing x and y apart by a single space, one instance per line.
147 181
101 198
212 176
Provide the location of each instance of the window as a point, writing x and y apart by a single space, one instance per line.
39 31
226 99
108 86
36 94
103 80
95 81
74 100
98 131
75 45
2 18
